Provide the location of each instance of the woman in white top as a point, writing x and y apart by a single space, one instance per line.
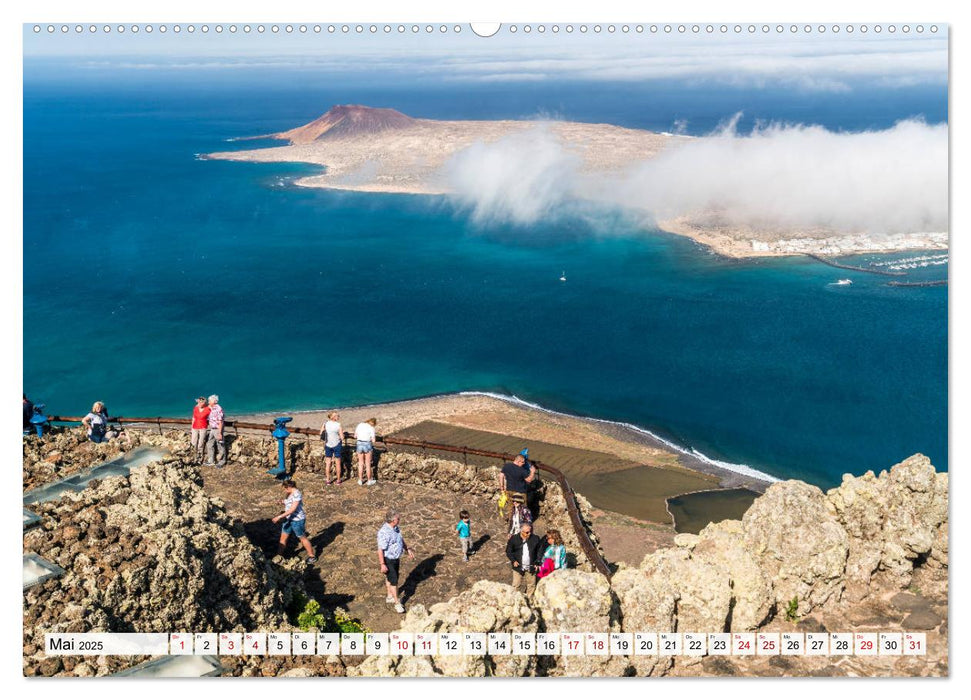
333 436
365 435
96 423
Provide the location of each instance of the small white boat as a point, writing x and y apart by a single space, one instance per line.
563 276
842 283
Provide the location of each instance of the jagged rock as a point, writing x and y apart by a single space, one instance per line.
166 559
576 601
64 451
686 540
723 545
701 588
647 603
892 520
441 474
938 555
793 532
487 607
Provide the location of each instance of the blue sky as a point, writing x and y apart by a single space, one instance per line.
828 61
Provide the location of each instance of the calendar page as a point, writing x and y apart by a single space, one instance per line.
414 348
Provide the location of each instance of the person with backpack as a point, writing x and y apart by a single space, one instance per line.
514 480
96 423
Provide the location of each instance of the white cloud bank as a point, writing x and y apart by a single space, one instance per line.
787 177
827 62
518 179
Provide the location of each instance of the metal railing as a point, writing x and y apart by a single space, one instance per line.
569 495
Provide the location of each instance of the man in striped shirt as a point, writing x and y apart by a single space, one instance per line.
214 435
391 544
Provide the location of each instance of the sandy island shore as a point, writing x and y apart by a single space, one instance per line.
378 150
494 414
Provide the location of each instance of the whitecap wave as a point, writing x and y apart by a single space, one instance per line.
688 451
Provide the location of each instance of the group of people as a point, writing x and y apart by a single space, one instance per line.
529 558
524 549
208 437
526 553
332 434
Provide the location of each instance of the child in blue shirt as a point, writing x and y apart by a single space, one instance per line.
464 528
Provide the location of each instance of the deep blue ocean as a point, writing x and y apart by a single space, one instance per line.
151 277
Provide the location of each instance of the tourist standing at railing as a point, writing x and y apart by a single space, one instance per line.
391 545
523 551
333 436
514 479
365 436
215 438
294 519
96 423
200 423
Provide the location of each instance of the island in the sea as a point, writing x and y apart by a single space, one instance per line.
369 149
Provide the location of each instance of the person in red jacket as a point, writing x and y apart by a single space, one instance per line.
200 421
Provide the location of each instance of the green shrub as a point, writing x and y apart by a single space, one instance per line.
792 610
345 623
311 617
307 614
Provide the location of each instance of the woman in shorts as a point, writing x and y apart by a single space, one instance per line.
365 436
294 521
333 436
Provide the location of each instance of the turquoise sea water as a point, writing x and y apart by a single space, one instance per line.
151 277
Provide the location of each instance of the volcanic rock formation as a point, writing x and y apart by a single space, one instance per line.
151 553
346 121
799 560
